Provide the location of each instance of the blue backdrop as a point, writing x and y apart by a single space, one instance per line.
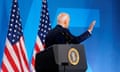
102 49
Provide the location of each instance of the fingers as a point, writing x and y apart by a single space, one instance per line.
94 22
91 26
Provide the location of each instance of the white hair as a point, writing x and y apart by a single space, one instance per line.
62 17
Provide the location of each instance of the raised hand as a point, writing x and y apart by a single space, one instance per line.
92 26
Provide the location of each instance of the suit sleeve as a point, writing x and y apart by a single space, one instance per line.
80 38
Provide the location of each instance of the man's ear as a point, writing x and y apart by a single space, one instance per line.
66 22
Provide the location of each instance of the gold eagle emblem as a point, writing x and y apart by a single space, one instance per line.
73 56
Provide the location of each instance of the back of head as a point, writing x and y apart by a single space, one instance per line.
63 20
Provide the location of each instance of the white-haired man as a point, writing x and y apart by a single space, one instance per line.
59 35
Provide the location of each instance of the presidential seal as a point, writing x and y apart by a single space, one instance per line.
73 56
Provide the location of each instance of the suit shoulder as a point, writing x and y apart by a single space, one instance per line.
52 33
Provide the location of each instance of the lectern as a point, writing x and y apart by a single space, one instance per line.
62 58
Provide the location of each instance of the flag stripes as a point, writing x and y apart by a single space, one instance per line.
44 27
15 55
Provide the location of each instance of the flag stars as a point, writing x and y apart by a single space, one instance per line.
49 28
17 16
14 6
15 31
17 37
47 13
16 26
9 34
42 25
10 29
19 24
11 25
41 34
44 31
46 21
46 17
15 1
13 10
43 40
44 1
12 20
43 15
13 40
14 35
13 15
44 6
44 36
43 20
45 26
16 21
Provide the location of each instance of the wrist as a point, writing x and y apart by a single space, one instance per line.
89 31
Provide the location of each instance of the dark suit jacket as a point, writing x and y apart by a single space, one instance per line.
45 60
60 35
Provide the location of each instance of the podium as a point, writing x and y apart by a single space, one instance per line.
62 58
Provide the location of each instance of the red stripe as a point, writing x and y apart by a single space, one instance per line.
33 61
37 49
24 56
18 55
4 69
10 59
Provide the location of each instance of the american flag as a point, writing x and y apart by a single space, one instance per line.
15 56
44 27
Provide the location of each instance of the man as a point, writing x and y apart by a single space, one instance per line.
59 35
